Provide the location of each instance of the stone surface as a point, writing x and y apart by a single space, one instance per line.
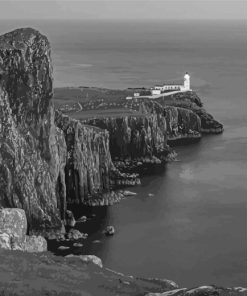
13 222
32 151
5 241
110 230
86 259
203 290
13 229
75 234
191 101
69 219
35 244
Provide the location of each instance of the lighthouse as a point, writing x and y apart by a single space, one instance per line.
186 81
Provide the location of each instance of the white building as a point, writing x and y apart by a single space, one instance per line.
158 89
136 94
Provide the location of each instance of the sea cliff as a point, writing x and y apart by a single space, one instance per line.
190 100
90 174
32 149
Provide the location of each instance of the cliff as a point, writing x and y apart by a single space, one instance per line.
190 100
182 124
32 149
143 138
89 172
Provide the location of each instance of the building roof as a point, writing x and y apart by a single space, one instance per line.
172 83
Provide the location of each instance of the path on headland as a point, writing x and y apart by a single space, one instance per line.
163 95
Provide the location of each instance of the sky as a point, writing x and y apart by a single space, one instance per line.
123 9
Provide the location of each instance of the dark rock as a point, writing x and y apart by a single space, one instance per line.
75 234
63 248
78 245
110 230
69 219
82 219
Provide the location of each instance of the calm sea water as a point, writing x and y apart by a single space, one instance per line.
193 230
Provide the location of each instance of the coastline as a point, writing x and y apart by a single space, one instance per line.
78 162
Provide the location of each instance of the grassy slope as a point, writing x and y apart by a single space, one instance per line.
45 274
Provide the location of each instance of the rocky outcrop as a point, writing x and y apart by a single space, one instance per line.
87 259
203 290
182 124
13 230
32 149
142 139
90 174
135 137
190 100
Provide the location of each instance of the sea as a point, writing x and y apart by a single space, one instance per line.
187 223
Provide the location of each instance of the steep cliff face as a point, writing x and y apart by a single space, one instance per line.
182 123
191 101
135 137
32 149
90 174
144 137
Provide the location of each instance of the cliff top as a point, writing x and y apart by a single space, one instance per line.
20 38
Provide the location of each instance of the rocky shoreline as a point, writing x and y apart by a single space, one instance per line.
50 160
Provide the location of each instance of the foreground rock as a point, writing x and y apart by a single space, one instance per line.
13 229
203 290
86 259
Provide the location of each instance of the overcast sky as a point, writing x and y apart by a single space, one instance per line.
123 9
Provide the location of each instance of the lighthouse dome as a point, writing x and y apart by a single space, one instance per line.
186 75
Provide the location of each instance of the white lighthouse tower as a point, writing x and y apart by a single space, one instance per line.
186 81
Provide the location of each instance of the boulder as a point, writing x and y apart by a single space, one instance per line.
13 228
128 193
77 245
75 234
35 244
82 219
110 230
62 248
5 241
13 222
70 220
91 259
